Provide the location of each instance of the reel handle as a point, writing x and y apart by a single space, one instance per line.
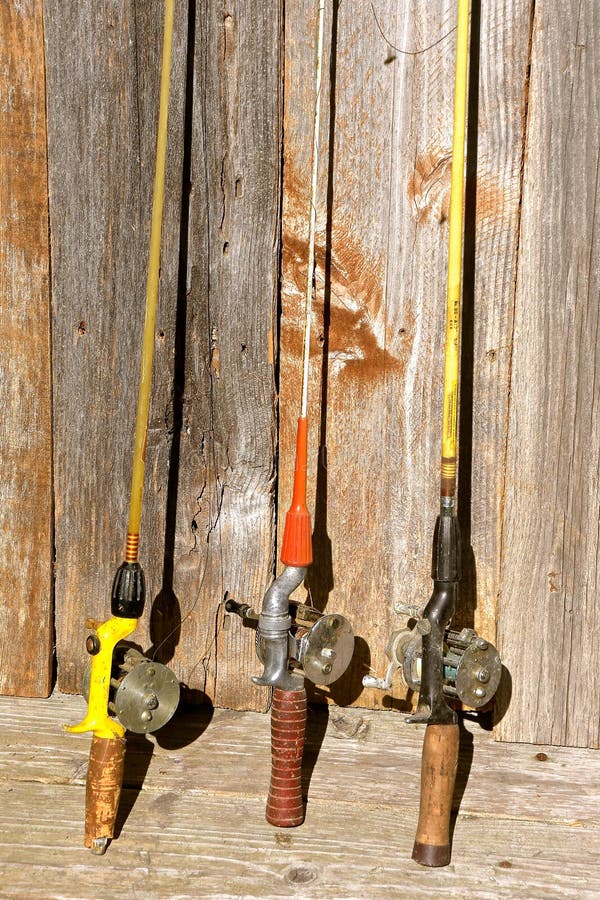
285 808
103 790
438 775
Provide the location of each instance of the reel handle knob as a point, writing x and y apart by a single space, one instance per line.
285 808
372 681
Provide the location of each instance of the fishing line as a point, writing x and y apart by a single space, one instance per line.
409 52
310 286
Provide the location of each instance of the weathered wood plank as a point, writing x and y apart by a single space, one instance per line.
209 504
25 391
197 827
549 614
378 333
188 846
103 66
371 754
225 523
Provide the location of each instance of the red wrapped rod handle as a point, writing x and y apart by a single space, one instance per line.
285 808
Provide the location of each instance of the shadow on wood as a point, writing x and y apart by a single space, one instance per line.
316 728
189 722
165 618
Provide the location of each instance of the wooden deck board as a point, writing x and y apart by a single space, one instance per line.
526 828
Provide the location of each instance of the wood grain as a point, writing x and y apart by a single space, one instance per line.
25 390
439 764
102 69
549 614
224 538
197 826
103 788
379 323
209 498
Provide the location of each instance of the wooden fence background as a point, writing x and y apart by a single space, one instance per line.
80 81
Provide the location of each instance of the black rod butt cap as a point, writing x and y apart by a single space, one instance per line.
432 855
128 591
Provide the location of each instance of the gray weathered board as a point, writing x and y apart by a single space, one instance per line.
380 298
209 498
549 612
25 390
192 820
242 84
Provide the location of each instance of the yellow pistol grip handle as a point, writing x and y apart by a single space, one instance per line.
97 720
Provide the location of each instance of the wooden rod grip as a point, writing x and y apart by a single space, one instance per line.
103 788
438 775
285 808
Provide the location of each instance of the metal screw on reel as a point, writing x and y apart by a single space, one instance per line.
144 694
472 666
324 651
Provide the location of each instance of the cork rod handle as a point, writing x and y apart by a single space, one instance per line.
103 790
438 775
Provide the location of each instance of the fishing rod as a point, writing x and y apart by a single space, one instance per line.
434 660
125 690
320 646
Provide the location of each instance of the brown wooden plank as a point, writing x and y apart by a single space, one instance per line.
549 614
197 828
209 497
378 331
25 392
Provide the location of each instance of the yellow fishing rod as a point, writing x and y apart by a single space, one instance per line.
434 660
441 740
455 258
141 694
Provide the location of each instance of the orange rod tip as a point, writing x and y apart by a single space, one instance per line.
296 547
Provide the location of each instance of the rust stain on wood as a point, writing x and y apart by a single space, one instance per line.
429 190
358 336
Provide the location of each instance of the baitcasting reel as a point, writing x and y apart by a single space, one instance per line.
472 667
144 694
320 645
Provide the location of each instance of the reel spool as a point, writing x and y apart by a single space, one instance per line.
321 645
324 649
144 694
472 666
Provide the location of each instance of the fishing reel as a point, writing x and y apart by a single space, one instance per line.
143 694
320 645
472 666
